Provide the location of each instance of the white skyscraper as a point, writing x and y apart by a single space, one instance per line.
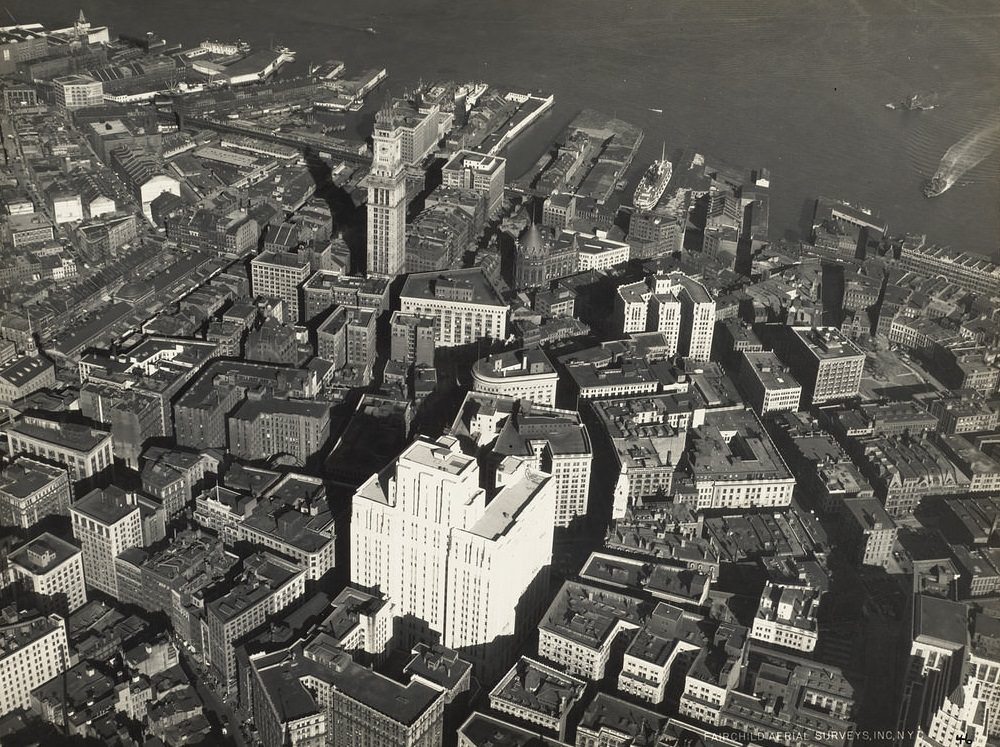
674 304
386 200
457 569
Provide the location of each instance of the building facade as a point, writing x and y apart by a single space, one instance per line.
386 200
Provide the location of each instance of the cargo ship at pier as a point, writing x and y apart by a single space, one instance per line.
653 183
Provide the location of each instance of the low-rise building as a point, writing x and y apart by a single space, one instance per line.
24 376
733 463
648 439
522 374
538 694
786 616
579 628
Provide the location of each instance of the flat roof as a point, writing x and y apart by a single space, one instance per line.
827 342
733 445
503 511
107 506
421 286
770 371
25 476
66 435
941 622
538 688
43 553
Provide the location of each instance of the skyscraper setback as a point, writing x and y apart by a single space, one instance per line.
455 567
386 200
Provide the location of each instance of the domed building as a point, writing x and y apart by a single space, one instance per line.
539 259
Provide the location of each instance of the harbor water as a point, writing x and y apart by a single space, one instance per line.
798 86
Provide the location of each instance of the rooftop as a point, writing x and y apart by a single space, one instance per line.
65 435
107 506
429 286
607 712
43 553
589 615
539 688
503 511
940 622
733 445
827 342
25 476
25 369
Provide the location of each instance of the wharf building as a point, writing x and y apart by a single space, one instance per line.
483 173
411 339
386 184
973 273
280 275
418 124
733 463
51 570
679 307
768 384
30 490
33 650
554 441
459 571
84 451
521 374
647 440
827 364
463 304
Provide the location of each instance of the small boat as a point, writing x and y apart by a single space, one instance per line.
890 106
370 30
658 111
937 186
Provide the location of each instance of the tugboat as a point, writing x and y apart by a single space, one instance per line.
937 186
653 183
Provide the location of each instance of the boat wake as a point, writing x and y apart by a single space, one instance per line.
965 155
